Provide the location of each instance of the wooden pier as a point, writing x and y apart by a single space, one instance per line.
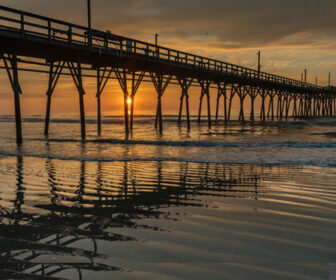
69 49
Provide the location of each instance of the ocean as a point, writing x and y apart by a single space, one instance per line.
237 201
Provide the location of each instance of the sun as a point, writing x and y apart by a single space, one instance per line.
129 101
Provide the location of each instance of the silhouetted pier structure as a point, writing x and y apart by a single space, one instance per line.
68 49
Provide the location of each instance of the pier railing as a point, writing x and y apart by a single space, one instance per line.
28 25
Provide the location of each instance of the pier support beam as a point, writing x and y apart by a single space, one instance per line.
122 79
270 113
136 81
234 90
306 106
160 83
278 95
284 105
282 100
317 105
205 90
103 75
322 106
294 97
308 98
242 93
288 102
263 93
281 104
76 73
55 72
300 110
185 84
13 75
252 92
326 106
309 111
221 92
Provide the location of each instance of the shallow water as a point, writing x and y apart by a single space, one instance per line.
234 202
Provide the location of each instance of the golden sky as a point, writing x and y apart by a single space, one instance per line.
291 34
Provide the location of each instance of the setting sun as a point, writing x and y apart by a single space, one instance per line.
129 101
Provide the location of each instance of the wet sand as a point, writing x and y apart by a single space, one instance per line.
165 220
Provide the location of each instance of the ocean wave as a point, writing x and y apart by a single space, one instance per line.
117 119
242 161
205 144
326 134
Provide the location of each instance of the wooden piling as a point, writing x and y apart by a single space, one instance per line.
160 83
242 93
54 75
47 116
209 108
17 103
270 105
13 75
98 115
185 84
294 114
82 115
221 92
122 79
103 76
217 105
187 108
263 95
234 90
76 73
98 103
252 93
288 103
205 91
180 110
200 107
136 82
225 105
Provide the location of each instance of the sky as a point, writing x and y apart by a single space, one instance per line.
292 35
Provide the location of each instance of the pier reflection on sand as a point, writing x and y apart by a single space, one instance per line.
164 220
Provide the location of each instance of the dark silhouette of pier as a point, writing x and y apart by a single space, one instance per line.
69 49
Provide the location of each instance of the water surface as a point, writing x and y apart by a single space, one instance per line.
240 201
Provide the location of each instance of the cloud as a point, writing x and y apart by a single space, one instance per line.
231 23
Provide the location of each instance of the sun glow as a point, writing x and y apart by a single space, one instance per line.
129 101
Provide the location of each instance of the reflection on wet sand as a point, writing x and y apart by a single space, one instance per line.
83 211
61 213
